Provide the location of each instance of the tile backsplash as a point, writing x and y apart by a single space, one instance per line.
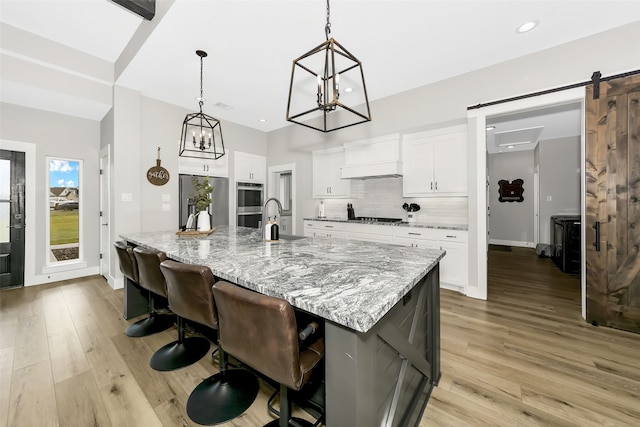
383 198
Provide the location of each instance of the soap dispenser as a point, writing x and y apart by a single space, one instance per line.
267 230
275 232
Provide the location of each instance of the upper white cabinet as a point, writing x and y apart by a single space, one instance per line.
204 167
327 165
435 163
250 167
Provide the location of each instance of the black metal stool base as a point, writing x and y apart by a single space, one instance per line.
298 421
221 398
176 355
151 325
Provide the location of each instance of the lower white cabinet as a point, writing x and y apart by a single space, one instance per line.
324 229
368 233
454 265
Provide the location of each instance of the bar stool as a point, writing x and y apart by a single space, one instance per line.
190 298
151 279
262 332
225 395
128 264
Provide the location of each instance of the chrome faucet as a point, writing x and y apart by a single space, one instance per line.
264 212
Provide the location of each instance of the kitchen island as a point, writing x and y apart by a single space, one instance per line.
380 303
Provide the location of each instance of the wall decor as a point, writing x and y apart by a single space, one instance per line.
511 191
157 175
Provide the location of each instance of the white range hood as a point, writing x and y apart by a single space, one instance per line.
378 157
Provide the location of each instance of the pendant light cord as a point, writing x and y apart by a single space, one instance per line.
201 100
327 28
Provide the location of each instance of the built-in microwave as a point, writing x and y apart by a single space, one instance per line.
249 201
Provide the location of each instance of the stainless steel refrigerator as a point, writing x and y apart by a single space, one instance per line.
219 209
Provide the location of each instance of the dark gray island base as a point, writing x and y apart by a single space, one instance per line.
380 302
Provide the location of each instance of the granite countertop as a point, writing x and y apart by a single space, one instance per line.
440 225
351 283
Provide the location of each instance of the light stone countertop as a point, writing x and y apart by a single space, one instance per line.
351 283
440 225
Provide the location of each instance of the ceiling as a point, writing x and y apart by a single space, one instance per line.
251 45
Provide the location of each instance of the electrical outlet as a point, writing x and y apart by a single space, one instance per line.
549 198
127 197
166 207
166 197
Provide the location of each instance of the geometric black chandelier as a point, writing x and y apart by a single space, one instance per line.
327 90
201 134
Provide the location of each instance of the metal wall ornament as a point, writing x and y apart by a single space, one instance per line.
323 81
201 134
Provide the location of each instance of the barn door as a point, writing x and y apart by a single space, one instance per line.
613 204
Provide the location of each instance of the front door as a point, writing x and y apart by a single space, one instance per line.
613 204
12 201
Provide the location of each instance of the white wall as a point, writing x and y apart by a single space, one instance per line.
559 180
66 137
511 223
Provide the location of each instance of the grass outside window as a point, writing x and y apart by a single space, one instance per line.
64 227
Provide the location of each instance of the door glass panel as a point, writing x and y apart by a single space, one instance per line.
64 209
4 222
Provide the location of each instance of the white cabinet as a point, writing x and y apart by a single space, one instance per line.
250 167
285 225
204 167
324 229
375 157
435 163
327 165
454 265
368 233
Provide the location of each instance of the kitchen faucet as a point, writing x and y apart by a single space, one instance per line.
264 212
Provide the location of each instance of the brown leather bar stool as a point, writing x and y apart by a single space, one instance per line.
190 298
262 332
225 395
128 265
151 279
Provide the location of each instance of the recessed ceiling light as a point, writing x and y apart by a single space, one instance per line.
263 120
527 26
490 127
511 146
348 89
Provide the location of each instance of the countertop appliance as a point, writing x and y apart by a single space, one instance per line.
565 242
219 210
249 201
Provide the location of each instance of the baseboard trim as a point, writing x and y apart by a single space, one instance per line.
512 243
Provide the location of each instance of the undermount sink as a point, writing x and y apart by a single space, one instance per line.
290 237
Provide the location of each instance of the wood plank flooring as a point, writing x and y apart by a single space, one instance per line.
524 357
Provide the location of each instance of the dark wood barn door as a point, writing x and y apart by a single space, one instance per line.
613 204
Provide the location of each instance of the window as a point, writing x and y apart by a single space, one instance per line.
64 211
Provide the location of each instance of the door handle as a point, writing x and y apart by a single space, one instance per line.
596 226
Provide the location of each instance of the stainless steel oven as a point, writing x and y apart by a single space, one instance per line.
249 199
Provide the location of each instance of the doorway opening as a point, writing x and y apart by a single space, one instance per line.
479 165
282 185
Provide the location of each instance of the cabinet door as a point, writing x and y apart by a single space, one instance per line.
326 175
202 167
453 267
450 167
250 167
418 168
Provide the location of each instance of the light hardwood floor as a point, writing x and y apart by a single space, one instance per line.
524 357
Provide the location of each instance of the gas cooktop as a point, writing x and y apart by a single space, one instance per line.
374 219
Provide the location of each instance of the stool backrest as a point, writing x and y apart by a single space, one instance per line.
261 331
128 264
151 277
189 292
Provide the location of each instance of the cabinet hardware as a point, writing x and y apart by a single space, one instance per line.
415 234
328 226
451 237
432 185
436 185
596 226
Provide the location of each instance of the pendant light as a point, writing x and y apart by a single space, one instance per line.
201 134
327 90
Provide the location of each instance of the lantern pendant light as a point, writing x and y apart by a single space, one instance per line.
201 134
327 89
